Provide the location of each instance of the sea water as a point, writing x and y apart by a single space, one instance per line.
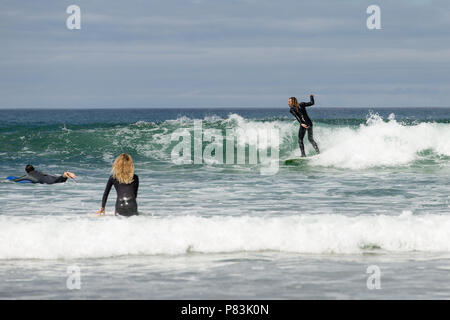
376 198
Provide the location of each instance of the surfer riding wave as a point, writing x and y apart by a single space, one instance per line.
299 112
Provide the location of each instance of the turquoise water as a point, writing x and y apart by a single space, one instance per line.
378 194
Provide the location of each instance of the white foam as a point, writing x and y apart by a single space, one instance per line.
380 143
95 237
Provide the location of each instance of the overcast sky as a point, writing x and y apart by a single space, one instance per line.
228 53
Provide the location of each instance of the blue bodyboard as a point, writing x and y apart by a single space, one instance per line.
11 178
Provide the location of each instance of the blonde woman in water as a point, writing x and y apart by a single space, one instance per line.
126 184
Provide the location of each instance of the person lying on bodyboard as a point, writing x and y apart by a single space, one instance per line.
35 176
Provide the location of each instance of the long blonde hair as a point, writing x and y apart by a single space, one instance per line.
123 168
294 101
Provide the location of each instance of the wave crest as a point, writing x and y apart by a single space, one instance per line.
93 237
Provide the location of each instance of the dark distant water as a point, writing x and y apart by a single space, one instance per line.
115 116
378 194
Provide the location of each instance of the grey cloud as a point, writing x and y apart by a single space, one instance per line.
138 53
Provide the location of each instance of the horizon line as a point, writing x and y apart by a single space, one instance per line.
205 107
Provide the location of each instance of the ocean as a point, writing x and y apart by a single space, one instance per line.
367 218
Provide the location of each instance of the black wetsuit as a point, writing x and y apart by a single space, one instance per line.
126 204
302 116
39 177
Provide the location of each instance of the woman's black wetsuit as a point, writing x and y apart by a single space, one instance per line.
126 204
302 116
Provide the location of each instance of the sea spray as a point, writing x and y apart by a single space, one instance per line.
379 143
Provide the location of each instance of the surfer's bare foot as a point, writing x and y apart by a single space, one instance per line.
69 174
100 212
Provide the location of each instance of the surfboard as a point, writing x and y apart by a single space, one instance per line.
300 160
295 161
11 178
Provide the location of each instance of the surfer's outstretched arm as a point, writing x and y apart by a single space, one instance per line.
308 104
136 185
26 177
106 194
